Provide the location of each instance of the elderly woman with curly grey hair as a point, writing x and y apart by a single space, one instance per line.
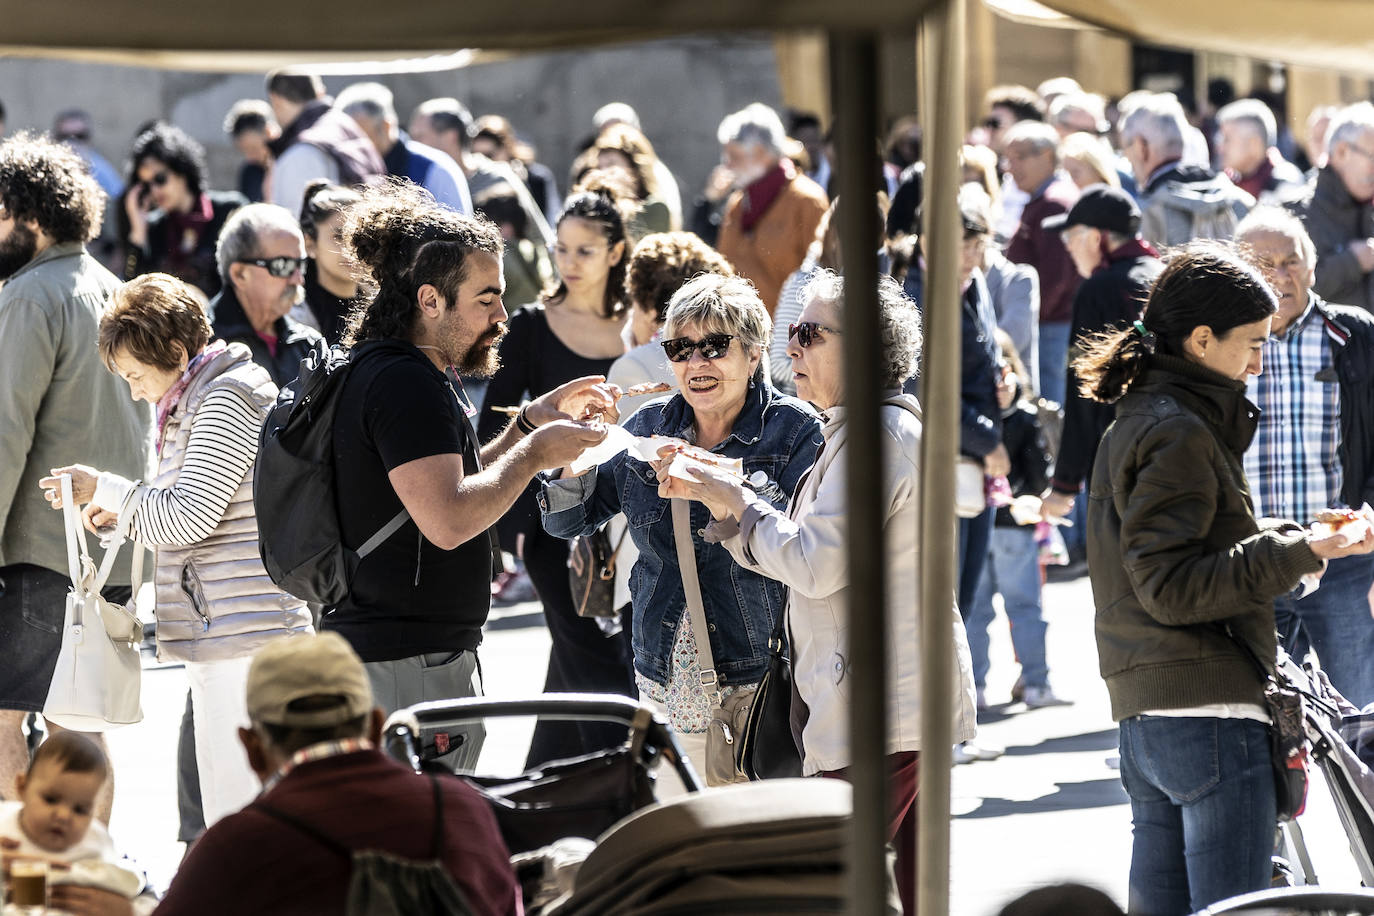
804 549
714 336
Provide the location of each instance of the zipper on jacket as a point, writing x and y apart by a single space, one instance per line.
190 584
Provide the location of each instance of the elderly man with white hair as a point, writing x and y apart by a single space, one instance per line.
1337 211
261 258
771 218
1314 444
374 108
1178 201
1032 161
1248 135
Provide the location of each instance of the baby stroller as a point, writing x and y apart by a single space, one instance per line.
587 835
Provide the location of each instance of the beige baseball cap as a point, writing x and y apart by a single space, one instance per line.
290 669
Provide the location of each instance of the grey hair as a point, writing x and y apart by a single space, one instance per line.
720 305
1280 222
899 322
1349 123
1160 120
756 123
1038 134
1252 112
239 237
615 111
369 100
1063 109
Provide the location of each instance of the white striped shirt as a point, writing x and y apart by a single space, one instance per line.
219 452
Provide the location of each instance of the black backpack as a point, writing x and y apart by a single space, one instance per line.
294 491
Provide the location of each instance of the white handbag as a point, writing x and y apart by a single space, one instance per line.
97 682
970 493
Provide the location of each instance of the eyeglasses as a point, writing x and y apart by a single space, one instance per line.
712 346
807 332
277 267
160 179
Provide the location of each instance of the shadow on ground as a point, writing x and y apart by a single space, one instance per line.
1105 740
1094 793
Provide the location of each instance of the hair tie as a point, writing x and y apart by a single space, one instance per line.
1147 337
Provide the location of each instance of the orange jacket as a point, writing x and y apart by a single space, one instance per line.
767 255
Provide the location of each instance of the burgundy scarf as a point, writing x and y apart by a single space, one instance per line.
759 195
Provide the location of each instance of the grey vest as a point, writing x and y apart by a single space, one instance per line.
214 598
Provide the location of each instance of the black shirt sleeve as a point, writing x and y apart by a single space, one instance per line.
409 414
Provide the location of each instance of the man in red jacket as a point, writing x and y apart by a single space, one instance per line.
1032 159
312 741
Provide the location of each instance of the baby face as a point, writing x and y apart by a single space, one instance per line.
58 805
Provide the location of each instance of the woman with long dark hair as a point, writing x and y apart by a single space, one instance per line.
1184 579
575 330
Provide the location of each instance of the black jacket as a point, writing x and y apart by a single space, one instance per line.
1110 298
1030 456
189 259
1175 553
1351 335
294 340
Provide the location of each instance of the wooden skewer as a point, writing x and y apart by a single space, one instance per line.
508 411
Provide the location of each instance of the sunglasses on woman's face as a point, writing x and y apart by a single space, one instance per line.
281 268
807 332
712 346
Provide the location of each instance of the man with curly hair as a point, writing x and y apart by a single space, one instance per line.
58 406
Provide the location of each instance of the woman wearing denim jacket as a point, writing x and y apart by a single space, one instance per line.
714 335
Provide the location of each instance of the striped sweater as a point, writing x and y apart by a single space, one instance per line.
214 598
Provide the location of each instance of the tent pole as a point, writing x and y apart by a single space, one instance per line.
943 81
855 97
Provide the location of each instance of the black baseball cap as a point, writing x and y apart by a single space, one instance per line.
1100 207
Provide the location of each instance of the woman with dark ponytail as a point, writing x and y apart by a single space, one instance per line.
575 330
1184 579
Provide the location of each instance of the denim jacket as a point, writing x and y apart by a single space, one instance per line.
775 434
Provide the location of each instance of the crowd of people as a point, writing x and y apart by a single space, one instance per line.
1126 271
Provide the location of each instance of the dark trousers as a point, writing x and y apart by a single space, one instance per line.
582 658
904 771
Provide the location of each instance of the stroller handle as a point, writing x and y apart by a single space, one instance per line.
400 735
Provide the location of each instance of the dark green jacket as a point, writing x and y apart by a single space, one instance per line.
1174 550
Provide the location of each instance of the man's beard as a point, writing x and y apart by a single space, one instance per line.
482 359
17 250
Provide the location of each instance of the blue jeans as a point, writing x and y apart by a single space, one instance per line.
1335 620
1054 359
974 534
1013 568
1203 810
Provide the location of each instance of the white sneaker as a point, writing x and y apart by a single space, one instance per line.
968 752
1040 697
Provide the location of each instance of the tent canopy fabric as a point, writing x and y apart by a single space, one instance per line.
1322 34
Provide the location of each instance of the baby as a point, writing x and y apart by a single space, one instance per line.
52 821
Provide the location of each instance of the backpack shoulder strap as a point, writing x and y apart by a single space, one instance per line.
300 825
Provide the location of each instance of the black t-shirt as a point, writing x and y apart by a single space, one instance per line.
409 597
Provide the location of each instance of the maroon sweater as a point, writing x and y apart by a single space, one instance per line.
1041 248
251 862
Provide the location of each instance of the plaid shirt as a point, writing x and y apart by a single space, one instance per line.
1293 465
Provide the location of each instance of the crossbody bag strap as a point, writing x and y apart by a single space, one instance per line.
691 587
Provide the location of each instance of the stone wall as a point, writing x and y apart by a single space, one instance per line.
681 88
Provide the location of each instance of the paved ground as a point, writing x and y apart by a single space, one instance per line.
1049 810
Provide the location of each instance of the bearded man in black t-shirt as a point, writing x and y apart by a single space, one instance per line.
402 439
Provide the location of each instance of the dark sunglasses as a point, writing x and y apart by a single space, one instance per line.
807 332
160 179
712 346
277 267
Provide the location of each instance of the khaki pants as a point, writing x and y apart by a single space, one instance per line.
434 676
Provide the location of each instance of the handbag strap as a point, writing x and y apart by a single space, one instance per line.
76 535
691 587
78 552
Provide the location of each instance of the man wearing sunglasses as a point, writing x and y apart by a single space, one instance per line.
261 258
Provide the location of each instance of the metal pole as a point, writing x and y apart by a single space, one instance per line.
854 93
943 56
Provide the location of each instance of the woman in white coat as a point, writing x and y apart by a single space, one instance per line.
804 549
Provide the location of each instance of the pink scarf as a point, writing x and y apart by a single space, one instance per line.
167 404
